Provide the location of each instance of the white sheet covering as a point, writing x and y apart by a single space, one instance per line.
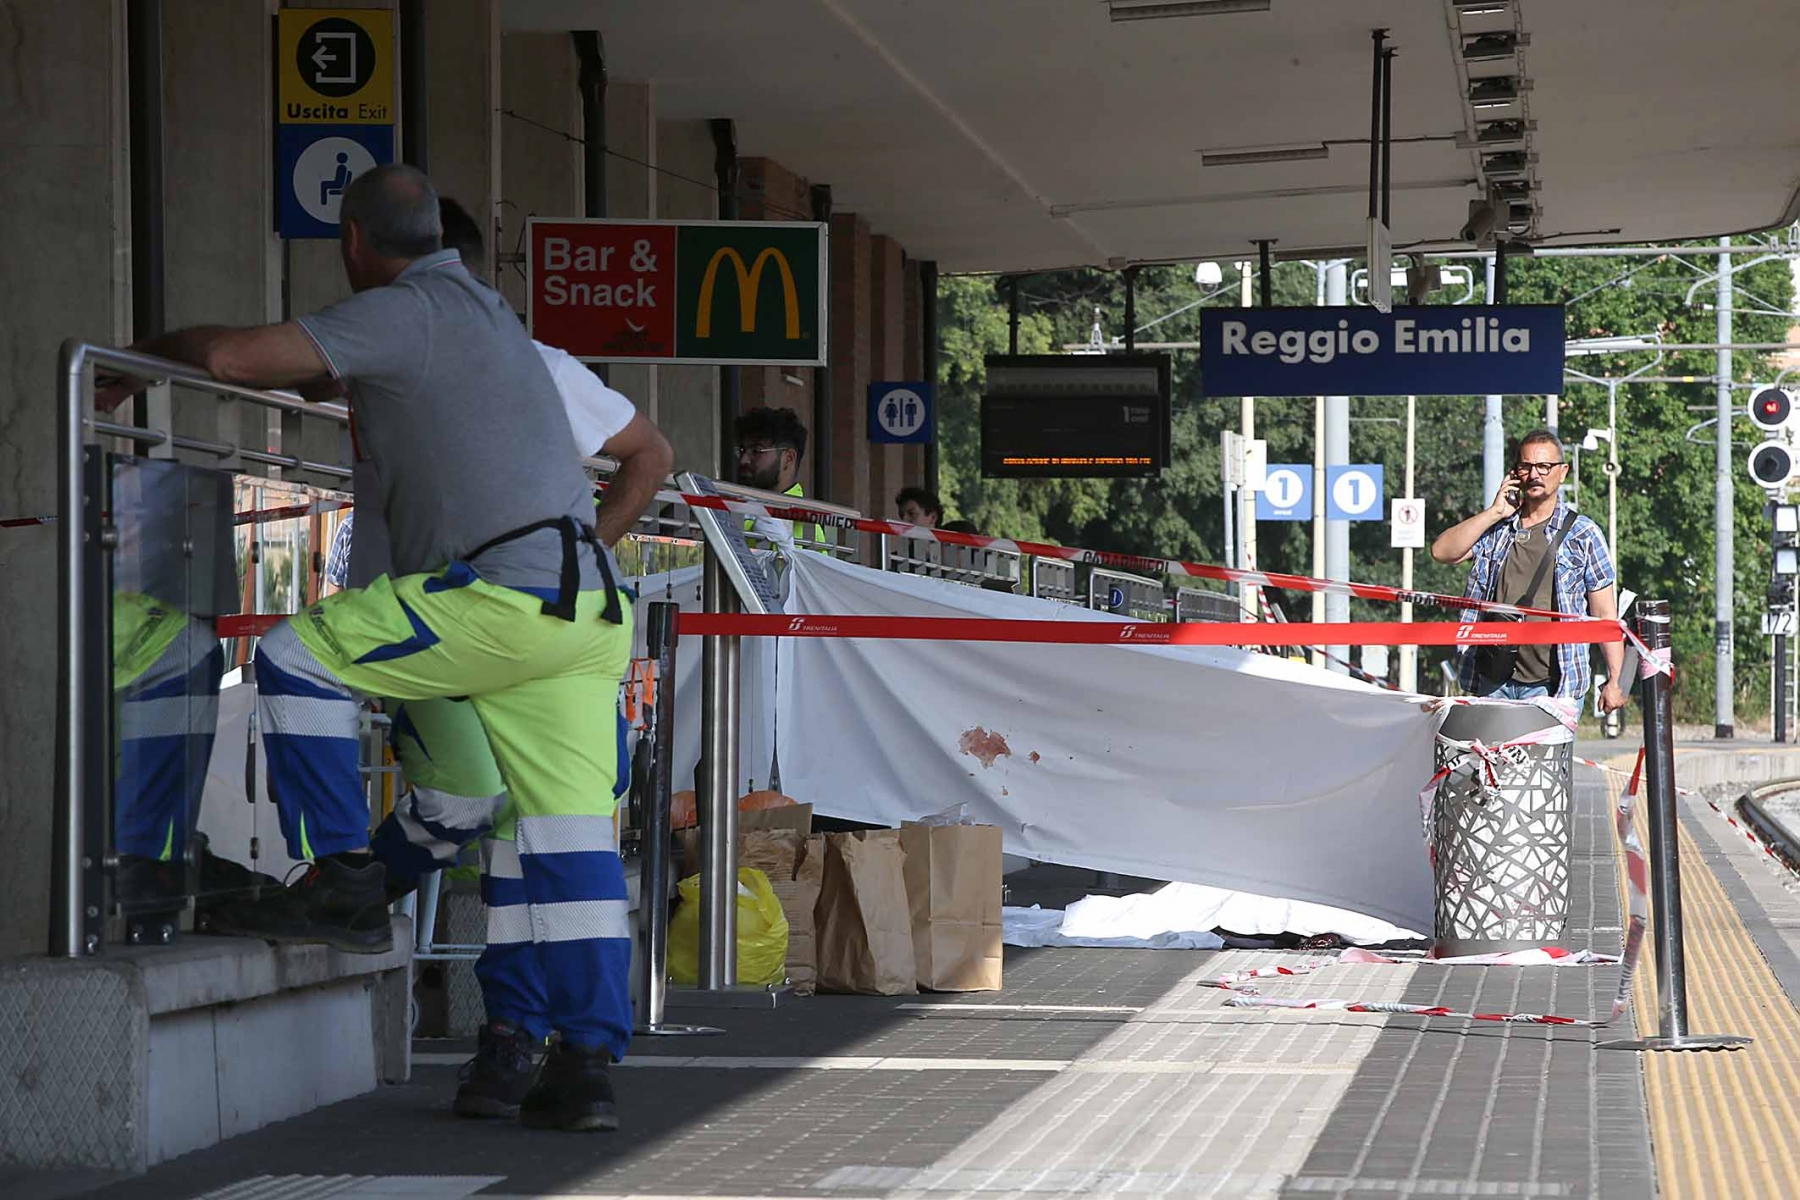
1195 764
1036 926
1181 908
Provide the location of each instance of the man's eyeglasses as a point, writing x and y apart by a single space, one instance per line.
1539 469
757 451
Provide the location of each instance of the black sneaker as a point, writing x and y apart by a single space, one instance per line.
333 904
573 1091
497 1078
224 880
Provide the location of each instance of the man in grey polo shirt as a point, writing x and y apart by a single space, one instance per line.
499 593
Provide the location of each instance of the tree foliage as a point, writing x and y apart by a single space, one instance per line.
1666 482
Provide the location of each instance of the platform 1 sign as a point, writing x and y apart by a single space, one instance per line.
1353 492
705 292
1286 493
1438 350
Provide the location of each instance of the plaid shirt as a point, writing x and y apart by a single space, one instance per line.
1582 566
337 561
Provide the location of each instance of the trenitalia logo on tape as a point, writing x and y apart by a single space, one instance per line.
1145 633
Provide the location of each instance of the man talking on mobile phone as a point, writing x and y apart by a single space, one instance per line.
1530 549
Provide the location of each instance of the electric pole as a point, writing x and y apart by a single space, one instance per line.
1724 688
1337 454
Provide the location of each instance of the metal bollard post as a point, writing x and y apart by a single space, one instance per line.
1665 856
718 823
653 892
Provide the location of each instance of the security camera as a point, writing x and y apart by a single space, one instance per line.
1483 216
1422 279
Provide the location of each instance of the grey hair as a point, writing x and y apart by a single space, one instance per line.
397 209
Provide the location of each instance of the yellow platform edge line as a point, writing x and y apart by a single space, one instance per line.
1722 1123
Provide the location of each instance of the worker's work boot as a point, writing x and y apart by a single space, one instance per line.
497 1078
334 904
573 1091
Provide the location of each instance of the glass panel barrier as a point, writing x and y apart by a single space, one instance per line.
172 573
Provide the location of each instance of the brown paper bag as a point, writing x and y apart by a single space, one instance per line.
774 852
864 929
797 817
953 893
788 816
798 899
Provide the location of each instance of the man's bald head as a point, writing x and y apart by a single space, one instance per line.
389 218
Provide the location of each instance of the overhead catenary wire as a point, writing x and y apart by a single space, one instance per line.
740 193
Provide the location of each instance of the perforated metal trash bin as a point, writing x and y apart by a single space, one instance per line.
1500 830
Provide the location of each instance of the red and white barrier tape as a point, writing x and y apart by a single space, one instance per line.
312 508
1133 562
1272 612
1147 633
1242 982
1105 558
244 518
1486 759
239 625
1637 875
1750 835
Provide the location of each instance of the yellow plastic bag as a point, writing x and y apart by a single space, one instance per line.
762 931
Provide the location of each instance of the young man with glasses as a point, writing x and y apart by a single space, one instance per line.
771 444
1508 544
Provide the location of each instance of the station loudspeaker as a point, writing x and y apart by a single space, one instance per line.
1772 465
1771 408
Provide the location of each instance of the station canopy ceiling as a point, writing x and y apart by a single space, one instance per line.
1013 135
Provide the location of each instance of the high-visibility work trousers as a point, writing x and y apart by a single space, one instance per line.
454 794
544 692
166 672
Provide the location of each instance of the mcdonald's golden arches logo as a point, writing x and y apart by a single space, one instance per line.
749 281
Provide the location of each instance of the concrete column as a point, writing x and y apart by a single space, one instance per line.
850 360
688 397
462 90
887 360
912 458
67 266
222 260
541 168
1337 454
631 191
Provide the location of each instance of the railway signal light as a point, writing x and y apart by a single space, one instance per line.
1772 465
1771 408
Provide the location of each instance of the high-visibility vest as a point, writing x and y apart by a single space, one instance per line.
804 531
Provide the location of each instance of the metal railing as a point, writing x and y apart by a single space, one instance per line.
995 569
82 536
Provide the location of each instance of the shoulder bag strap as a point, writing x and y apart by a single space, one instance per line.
1544 565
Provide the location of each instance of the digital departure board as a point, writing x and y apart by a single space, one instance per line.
1064 416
